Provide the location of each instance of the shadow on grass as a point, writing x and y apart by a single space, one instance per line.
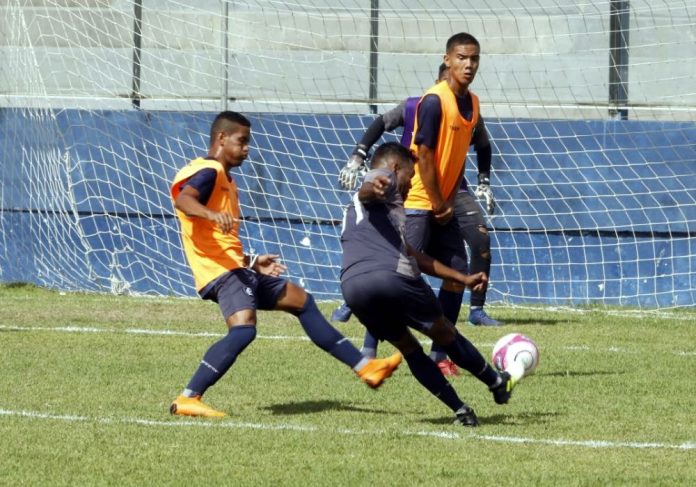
509 419
309 407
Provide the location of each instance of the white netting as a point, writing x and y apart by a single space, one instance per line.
102 100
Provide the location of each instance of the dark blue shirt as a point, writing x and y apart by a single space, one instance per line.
373 234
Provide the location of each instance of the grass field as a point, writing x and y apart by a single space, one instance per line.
87 381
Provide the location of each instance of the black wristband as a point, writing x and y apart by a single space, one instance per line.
360 150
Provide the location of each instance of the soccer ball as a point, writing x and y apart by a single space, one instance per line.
516 352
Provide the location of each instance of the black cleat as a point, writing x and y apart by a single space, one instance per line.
503 391
466 416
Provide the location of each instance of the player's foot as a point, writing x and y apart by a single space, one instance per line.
193 406
478 317
466 416
448 368
342 313
378 370
503 391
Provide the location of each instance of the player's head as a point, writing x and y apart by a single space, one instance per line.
400 160
442 72
230 134
462 56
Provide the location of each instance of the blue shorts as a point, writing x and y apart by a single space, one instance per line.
441 242
387 303
244 289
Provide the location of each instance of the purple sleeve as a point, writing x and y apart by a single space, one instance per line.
204 182
429 115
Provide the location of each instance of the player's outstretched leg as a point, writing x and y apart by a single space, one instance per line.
428 374
466 355
372 372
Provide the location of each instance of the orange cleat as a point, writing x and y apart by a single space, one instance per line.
193 406
378 370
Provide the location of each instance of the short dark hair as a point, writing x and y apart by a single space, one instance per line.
443 67
226 121
388 150
461 39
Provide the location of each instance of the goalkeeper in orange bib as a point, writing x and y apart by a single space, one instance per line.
206 201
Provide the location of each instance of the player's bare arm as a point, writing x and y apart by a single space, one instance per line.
442 209
476 282
374 191
187 202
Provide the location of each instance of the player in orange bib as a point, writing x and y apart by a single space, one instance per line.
207 205
446 118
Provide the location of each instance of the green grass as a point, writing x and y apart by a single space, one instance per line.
87 381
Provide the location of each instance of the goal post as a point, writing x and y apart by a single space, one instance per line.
591 110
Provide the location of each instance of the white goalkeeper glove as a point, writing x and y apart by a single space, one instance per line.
351 173
483 191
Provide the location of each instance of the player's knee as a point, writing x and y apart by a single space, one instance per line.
443 332
480 243
295 300
241 317
407 344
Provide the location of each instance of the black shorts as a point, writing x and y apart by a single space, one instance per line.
441 242
467 211
244 289
387 302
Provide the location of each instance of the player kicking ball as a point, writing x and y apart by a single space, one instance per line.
206 201
382 284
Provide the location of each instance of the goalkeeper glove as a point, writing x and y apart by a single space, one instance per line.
355 168
483 191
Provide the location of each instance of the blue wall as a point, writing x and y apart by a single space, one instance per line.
589 211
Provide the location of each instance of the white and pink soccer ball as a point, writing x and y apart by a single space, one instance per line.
516 354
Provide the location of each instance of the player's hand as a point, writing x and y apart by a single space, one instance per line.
354 169
443 214
268 265
225 221
483 191
476 282
378 187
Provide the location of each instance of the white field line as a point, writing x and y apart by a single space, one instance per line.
448 435
145 331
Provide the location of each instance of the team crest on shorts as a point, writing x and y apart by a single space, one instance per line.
248 291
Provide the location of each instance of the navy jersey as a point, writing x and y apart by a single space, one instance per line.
373 235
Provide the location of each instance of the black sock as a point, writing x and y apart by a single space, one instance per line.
428 374
466 355
326 336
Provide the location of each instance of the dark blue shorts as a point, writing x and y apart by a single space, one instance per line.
244 289
441 242
387 303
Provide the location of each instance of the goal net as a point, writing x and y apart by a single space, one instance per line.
591 109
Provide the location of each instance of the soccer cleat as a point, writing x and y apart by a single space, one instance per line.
193 406
503 391
466 416
478 317
342 313
378 370
448 368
